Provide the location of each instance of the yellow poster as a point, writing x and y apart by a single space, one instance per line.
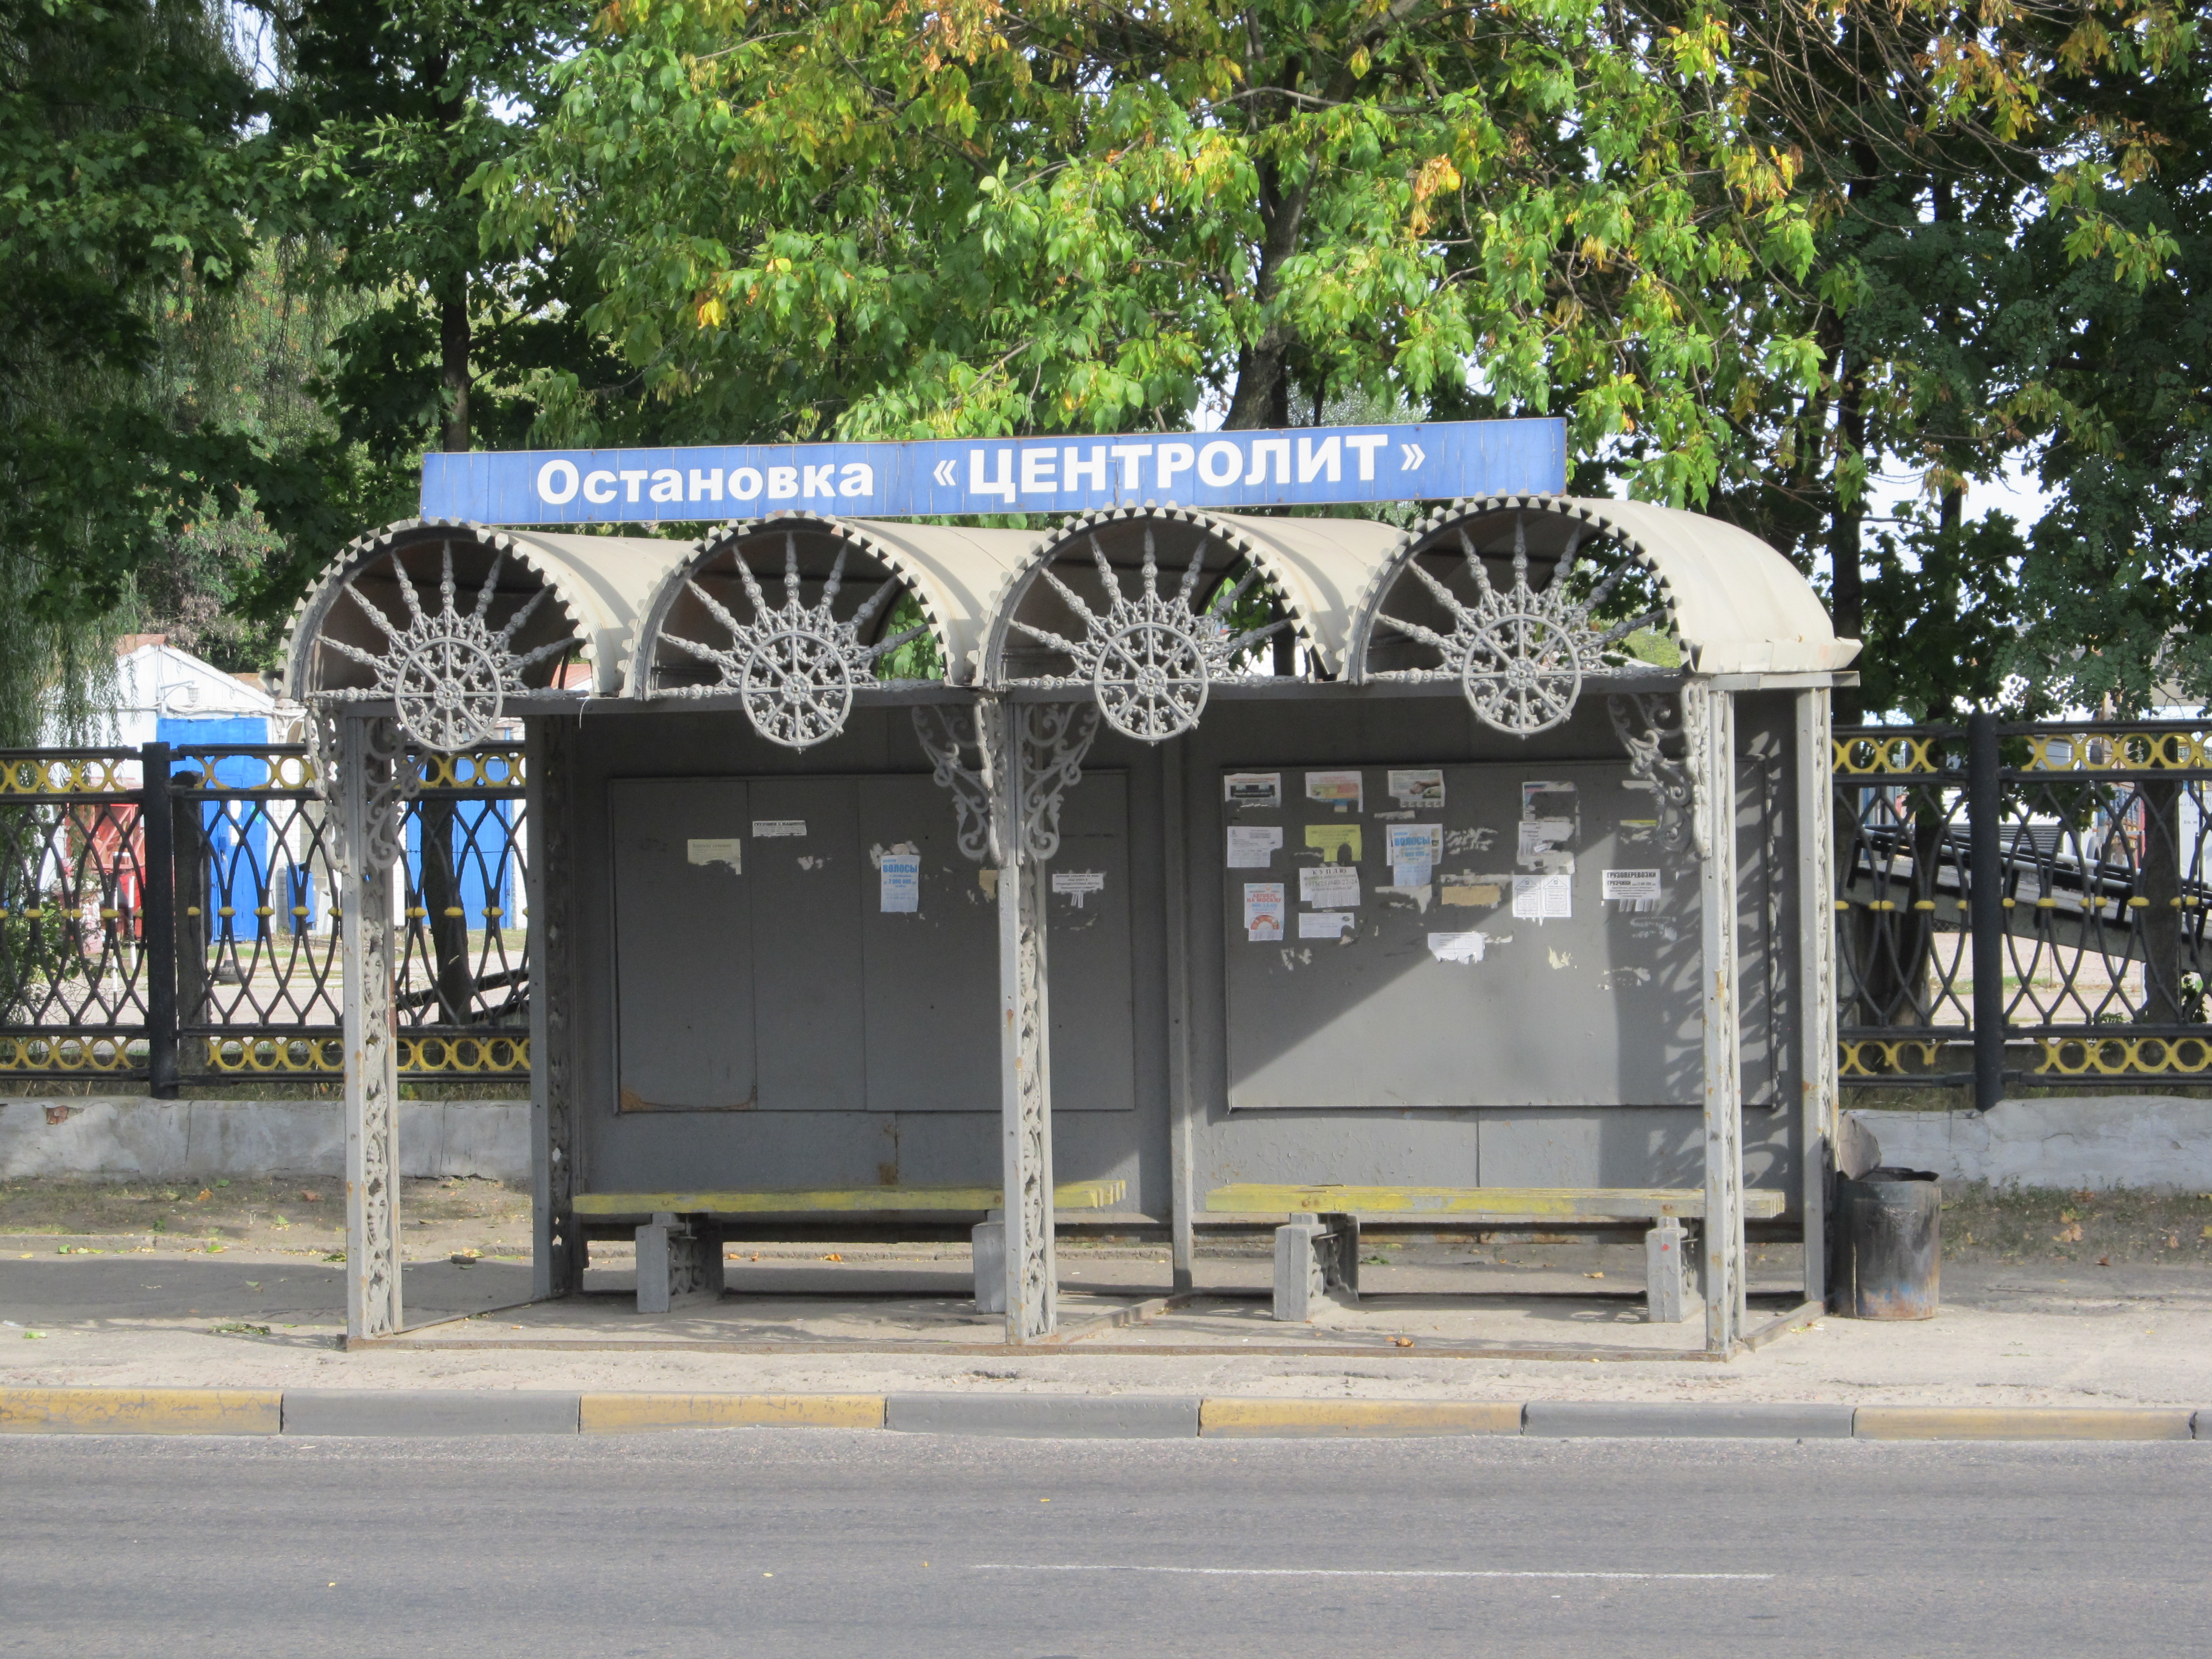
1328 838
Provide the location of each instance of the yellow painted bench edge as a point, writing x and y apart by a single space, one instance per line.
1527 1203
1074 1195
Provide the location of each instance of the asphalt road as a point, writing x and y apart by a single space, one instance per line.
827 1543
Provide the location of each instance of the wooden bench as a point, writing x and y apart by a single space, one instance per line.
1321 1254
679 1248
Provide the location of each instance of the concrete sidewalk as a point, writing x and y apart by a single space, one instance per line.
2052 1334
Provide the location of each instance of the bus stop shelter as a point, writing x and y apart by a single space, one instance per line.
1174 864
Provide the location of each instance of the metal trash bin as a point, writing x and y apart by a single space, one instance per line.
1888 1244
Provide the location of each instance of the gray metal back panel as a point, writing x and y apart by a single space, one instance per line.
808 986
1599 1007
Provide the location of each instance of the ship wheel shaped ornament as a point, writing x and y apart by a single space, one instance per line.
796 667
1520 655
1151 661
448 672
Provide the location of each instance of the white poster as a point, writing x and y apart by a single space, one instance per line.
1342 788
1548 898
1456 947
1264 909
1242 789
1424 786
1252 846
722 849
1633 890
1325 924
1079 884
1415 849
766 829
1330 886
902 884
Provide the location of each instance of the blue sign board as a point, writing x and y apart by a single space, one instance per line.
959 478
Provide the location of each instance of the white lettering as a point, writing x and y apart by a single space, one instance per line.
1036 472
667 485
745 485
1263 447
1129 455
979 485
1367 447
1228 454
1094 469
1312 460
817 482
858 478
1174 458
592 483
707 486
632 479
546 486
782 482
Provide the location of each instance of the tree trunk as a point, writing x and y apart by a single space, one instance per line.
453 366
1262 398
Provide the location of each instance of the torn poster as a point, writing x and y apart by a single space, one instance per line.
1264 909
1635 891
1415 849
1326 924
1331 840
1343 788
764 829
1474 893
902 884
1332 886
1242 789
1252 846
1539 837
1079 884
1422 787
1456 947
722 850
1534 804
1548 898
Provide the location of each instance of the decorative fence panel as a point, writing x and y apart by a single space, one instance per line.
168 915
2081 957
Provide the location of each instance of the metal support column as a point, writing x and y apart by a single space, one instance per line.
1816 976
1175 760
1709 726
157 918
1025 1036
1985 901
370 756
557 1246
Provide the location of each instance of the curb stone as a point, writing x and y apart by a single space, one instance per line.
426 1411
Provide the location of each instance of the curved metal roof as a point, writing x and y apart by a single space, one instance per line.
594 588
1317 567
1734 605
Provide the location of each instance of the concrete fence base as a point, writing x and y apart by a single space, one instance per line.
2095 1142
101 1137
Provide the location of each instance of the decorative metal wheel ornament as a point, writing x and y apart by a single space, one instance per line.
795 667
1152 661
1520 656
448 672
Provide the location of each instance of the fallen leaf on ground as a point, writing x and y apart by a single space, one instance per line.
1592 1275
204 1195
2104 1262
1401 1341
833 1256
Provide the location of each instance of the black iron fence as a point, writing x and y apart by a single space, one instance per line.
169 914
2021 903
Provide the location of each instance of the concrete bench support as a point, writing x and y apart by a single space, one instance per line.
1670 1282
679 1263
988 1247
1316 1259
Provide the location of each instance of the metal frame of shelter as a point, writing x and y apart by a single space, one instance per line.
1135 621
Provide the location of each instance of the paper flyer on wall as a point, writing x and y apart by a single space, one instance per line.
1542 798
1415 850
1326 924
1419 786
1079 884
719 850
902 884
1456 947
1548 898
1242 789
1340 789
1264 909
1340 843
1539 837
1253 846
1633 890
1332 886
769 829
